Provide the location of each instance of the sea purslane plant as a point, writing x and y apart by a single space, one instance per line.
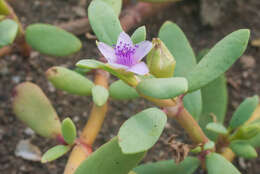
187 88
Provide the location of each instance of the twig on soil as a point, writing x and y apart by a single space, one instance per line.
130 17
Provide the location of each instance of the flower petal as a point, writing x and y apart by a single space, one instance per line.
143 48
140 68
115 65
124 38
107 51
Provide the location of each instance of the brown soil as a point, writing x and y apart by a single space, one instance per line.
245 76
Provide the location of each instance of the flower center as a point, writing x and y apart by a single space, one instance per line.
124 53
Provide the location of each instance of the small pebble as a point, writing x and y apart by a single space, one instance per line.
29 131
16 79
247 61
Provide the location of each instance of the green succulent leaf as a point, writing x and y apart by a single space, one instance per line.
94 64
8 32
217 164
4 8
196 150
163 88
51 40
55 153
115 4
218 60
90 64
2 17
209 145
141 131
121 91
255 141
188 166
139 35
215 100
243 149
109 159
217 128
104 22
100 95
159 1
69 81
32 107
82 71
69 131
193 103
179 46
243 112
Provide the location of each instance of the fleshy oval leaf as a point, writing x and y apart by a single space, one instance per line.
109 159
99 95
179 46
243 149
51 40
159 1
140 132
209 145
115 4
243 112
69 131
217 128
90 64
69 81
8 32
139 35
219 59
94 64
32 107
54 153
104 22
193 103
217 164
188 166
121 91
163 88
214 92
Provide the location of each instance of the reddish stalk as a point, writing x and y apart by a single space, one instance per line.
84 144
22 46
5 51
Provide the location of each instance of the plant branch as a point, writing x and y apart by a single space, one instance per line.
84 145
223 147
23 47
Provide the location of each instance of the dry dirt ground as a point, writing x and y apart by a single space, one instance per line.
244 76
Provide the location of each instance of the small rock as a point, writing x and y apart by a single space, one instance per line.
34 54
16 79
51 87
80 11
29 131
28 151
76 118
247 62
242 163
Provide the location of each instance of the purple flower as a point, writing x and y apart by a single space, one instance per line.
126 55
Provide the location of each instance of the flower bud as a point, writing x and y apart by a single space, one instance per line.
248 131
160 61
